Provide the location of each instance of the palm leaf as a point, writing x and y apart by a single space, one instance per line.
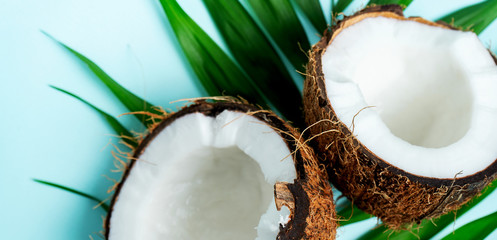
313 11
101 204
403 3
129 100
340 6
282 23
118 128
255 54
475 17
477 229
217 73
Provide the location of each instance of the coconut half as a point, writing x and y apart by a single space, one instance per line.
412 109
222 171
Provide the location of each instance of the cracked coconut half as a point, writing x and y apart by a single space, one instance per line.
410 107
222 171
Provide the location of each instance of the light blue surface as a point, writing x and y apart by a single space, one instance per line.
51 136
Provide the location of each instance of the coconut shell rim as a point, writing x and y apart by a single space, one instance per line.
296 227
395 12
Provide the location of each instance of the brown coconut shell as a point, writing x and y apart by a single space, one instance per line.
392 194
309 198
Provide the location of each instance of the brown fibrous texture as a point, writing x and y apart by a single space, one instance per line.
309 198
396 197
313 181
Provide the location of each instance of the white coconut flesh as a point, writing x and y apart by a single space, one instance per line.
206 178
422 98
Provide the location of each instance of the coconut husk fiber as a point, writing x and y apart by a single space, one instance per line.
396 197
309 198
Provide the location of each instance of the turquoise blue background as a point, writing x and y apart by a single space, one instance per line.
51 136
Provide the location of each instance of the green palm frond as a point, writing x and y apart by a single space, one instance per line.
477 229
118 128
314 12
100 203
217 73
280 20
476 17
404 3
340 6
128 99
255 54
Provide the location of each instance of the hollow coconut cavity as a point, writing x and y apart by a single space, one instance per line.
222 171
411 106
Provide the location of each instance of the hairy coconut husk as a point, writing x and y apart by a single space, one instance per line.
393 195
309 198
